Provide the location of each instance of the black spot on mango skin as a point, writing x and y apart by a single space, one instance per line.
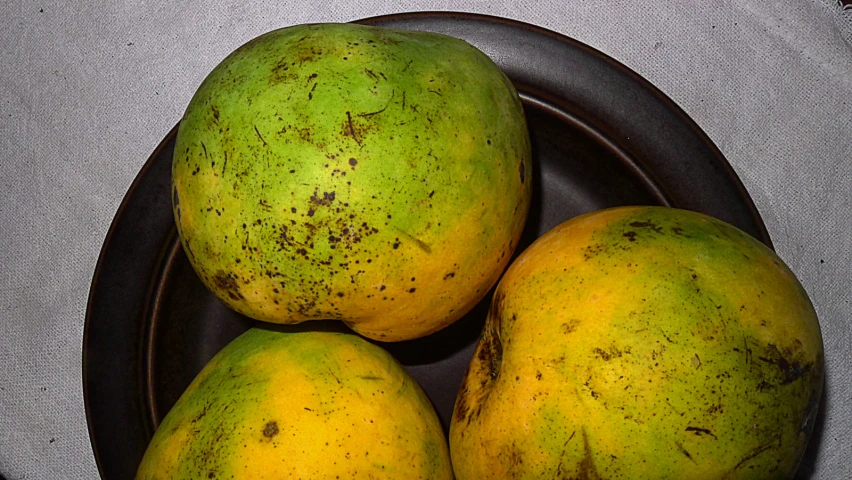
649 225
325 199
609 353
700 431
270 429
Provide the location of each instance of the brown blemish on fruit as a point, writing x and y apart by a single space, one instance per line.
305 134
420 243
587 468
200 414
461 410
679 232
647 224
326 199
257 132
270 429
592 392
791 370
776 443
284 240
371 74
227 283
516 456
609 354
370 114
700 431
281 73
307 55
491 356
360 125
569 326
349 129
487 359
188 249
685 452
591 251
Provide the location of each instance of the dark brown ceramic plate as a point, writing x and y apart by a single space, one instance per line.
602 137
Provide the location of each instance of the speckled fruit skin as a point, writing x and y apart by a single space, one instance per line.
340 171
319 405
642 343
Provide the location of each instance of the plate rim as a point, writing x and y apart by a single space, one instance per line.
138 180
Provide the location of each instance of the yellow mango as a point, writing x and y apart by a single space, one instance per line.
318 405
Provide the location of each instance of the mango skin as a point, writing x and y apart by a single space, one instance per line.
642 343
339 171
274 405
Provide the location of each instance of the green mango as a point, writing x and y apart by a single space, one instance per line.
339 171
643 343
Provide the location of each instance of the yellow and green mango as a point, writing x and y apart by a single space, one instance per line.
312 404
339 171
642 343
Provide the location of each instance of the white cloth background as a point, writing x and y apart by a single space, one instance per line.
88 89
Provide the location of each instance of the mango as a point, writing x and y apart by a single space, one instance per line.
642 343
357 173
309 404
